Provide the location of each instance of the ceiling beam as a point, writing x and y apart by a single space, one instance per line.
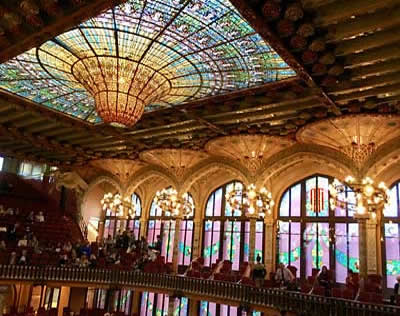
260 25
384 91
58 25
364 24
373 56
344 9
363 43
376 69
363 84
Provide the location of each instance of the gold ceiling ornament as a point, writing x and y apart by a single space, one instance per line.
173 205
121 88
119 206
366 198
122 169
250 150
250 201
176 161
357 136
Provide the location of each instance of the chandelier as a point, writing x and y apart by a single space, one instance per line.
357 151
121 88
250 201
170 203
369 197
118 205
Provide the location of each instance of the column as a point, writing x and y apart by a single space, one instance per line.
135 304
363 246
171 305
175 253
372 258
252 240
270 243
196 246
193 307
101 230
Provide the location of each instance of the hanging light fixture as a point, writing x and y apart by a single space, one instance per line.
369 197
170 203
118 205
251 202
121 88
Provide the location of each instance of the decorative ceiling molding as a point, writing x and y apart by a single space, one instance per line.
122 169
357 136
251 151
201 171
176 161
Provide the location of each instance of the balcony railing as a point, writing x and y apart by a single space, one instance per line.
207 289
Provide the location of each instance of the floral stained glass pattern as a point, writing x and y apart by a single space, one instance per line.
196 49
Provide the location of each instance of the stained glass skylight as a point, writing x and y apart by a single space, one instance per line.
193 48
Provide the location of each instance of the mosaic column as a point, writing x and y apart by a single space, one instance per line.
175 253
371 243
367 244
270 242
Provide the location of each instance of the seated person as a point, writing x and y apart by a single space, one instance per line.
24 258
13 258
352 281
23 242
40 217
2 210
259 272
283 275
31 217
324 279
10 211
3 245
12 232
63 260
396 291
92 261
158 244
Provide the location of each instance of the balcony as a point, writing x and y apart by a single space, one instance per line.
217 291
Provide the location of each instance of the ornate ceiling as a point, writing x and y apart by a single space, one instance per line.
164 53
250 150
345 54
177 162
357 136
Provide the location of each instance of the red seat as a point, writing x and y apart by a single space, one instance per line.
337 292
318 290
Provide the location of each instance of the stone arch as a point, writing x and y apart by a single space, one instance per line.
89 206
280 176
147 173
211 165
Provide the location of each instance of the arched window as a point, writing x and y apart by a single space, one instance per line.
391 231
115 222
227 231
310 235
162 224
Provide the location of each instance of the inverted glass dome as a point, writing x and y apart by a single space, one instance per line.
143 56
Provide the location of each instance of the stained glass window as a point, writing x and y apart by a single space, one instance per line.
391 231
162 224
114 223
153 304
227 231
195 48
214 309
310 233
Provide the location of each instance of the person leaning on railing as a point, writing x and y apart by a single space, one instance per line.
284 276
259 272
